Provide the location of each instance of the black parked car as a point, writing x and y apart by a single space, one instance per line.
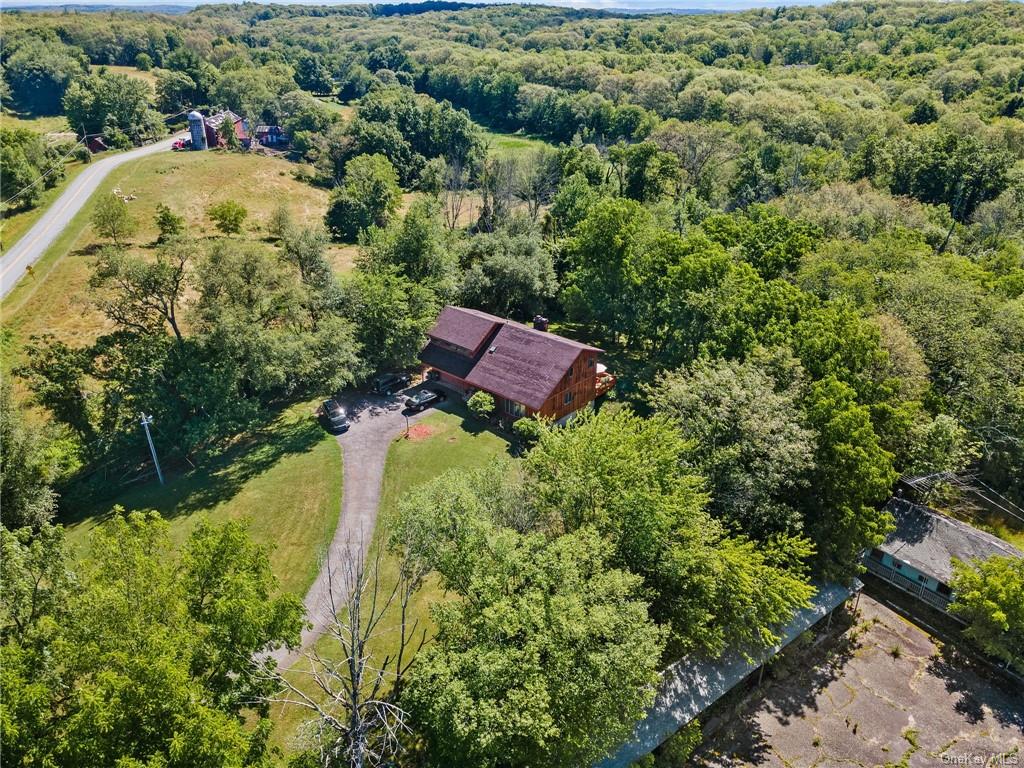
389 383
334 416
423 399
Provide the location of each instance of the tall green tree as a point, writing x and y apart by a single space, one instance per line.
369 196
636 492
106 102
390 314
27 497
40 72
853 473
746 425
546 658
157 647
989 595
112 219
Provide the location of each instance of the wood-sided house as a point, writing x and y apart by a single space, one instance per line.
527 370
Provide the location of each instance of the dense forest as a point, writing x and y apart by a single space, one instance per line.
797 233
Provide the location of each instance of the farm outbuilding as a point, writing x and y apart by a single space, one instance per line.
917 557
205 131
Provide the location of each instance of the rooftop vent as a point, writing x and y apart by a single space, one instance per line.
491 350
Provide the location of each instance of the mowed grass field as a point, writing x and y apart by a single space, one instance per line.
147 76
35 123
438 443
512 143
283 480
55 298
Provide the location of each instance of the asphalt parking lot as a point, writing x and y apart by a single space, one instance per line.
881 693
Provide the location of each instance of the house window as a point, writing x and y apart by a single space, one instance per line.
515 409
876 554
568 398
944 589
898 564
590 362
922 579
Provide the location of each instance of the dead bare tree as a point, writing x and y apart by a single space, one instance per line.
536 179
453 193
353 696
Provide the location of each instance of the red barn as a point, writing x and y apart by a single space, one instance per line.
528 371
214 122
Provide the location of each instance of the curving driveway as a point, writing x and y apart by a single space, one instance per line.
34 243
375 423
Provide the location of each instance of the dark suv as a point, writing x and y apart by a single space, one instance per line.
389 383
423 399
334 416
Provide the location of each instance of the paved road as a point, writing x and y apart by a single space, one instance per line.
34 243
376 422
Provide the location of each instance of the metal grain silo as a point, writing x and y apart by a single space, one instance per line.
197 128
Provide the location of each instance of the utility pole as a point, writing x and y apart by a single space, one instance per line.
145 421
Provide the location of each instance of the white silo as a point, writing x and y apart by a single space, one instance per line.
197 128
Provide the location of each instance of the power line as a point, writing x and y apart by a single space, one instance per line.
51 169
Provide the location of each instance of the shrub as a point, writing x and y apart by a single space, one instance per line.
228 216
481 405
528 430
169 223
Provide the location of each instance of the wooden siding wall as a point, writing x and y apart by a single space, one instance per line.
582 383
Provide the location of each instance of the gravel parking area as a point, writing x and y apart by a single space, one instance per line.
882 693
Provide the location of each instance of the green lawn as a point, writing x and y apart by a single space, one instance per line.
511 143
35 123
442 441
284 481
333 105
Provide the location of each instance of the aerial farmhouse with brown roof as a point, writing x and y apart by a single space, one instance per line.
528 371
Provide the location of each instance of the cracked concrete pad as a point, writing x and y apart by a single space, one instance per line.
854 701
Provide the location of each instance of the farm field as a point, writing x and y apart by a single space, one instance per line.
146 76
36 123
56 301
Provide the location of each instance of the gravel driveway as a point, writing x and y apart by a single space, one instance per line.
375 423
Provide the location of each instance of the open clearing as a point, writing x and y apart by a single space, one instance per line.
35 123
881 694
283 480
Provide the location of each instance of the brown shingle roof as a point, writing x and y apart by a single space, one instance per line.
465 328
516 362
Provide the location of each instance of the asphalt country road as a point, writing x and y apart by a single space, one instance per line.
375 423
34 243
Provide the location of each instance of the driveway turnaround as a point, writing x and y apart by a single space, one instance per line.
375 423
34 243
